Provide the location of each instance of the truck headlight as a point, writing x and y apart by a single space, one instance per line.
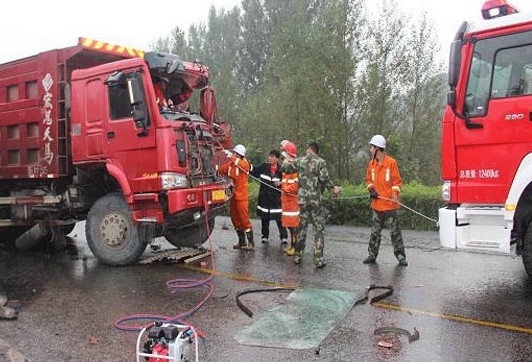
446 191
172 180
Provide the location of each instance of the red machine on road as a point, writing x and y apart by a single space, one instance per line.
487 135
83 137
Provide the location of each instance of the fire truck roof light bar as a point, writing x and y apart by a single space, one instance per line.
497 8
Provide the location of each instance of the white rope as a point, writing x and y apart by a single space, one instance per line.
409 209
346 197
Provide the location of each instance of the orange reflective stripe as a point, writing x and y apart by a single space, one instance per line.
105 47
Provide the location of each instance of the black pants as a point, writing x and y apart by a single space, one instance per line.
265 225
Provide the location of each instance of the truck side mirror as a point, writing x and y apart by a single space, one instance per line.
136 96
451 98
455 58
116 77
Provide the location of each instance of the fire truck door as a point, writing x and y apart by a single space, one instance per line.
499 97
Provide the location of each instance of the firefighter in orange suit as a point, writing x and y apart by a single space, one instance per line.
384 184
289 205
237 170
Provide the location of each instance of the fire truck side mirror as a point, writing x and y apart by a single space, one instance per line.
451 98
455 58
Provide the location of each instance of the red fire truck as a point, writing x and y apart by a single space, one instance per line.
487 135
84 136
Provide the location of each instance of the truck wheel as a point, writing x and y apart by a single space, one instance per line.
111 234
527 251
189 237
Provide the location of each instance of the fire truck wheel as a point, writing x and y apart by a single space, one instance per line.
527 251
191 236
111 234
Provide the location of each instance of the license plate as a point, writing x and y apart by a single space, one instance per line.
218 195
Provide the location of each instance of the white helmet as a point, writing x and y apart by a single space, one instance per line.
378 141
240 149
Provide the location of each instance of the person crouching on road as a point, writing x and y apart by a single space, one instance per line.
384 184
313 179
237 169
269 202
289 187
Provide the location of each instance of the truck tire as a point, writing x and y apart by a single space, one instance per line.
111 234
527 250
190 237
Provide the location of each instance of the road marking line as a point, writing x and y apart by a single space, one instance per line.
238 277
447 316
455 317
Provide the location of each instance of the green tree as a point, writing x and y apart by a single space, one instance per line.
196 42
424 90
255 46
378 103
220 49
161 45
179 44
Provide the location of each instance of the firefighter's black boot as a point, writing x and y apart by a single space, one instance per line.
241 240
251 243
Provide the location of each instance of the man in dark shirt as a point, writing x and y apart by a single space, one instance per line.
269 203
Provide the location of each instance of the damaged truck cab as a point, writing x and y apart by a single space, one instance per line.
84 136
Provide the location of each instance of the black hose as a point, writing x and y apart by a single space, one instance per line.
395 330
245 309
365 297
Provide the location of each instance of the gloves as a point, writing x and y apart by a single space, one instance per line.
373 194
228 153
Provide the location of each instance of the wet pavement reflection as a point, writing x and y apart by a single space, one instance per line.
67 301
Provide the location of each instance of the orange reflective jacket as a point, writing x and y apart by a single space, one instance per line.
237 170
385 179
289 187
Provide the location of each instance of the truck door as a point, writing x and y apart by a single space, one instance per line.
130 134
498 103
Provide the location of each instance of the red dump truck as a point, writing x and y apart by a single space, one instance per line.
84 137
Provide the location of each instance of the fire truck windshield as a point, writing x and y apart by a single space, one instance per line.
501 67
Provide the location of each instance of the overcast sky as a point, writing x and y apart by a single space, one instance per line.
28 27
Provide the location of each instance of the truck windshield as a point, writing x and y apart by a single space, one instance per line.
501 67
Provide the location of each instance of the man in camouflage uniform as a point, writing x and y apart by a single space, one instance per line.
313 180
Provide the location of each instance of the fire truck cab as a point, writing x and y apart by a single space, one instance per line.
487 135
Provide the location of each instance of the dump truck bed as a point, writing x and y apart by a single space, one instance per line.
34 120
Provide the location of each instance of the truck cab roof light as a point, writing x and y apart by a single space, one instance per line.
497 8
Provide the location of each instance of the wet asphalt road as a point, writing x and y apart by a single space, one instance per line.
68 300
